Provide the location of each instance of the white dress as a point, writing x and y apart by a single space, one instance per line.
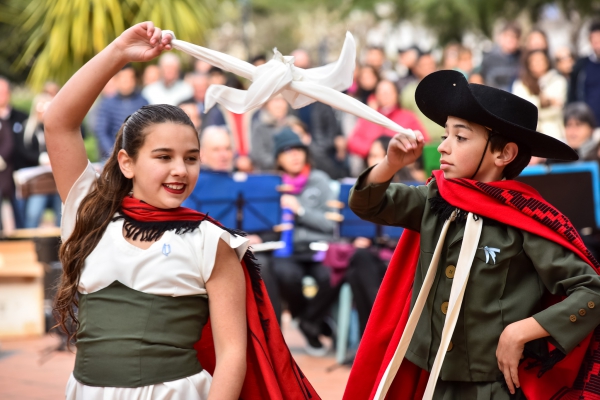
182 272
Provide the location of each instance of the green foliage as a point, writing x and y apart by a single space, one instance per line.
58 36
450 19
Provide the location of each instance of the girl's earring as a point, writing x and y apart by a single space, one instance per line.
130 193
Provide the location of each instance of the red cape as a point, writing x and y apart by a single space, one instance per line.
509 202
271 371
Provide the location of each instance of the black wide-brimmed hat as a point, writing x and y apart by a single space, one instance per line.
447 93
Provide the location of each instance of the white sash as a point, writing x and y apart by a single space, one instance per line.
457 292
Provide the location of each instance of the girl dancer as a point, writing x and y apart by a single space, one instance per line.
146 273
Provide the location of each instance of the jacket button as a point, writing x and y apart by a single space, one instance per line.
573 318
591 305
450 346
450 270
582 312
444 307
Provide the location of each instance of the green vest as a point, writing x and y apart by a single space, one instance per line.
128 338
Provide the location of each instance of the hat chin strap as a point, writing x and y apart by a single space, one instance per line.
483 155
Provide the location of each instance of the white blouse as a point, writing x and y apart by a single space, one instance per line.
175 265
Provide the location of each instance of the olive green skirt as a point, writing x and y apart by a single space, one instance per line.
474 391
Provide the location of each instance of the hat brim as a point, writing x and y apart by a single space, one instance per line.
448 93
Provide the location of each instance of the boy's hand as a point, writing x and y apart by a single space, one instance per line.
509 353
510 348
142 42
404 150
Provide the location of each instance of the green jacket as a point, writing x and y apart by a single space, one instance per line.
499 292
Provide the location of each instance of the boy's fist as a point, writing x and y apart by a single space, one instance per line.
404 150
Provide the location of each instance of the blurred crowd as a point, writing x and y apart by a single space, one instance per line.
315 145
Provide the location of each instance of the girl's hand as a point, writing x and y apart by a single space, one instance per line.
509 353
404 150
142 42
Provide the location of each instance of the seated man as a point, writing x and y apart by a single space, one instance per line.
216 154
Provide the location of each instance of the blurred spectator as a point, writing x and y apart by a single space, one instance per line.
368 78
270 120
365 132
546 89
307 198
216 154
536 39
324 129
151 75
580 126
51 88
191 109
477 78
113 110
564 61
585 78
216 76
11 125
200 85
425 66
30 151
258 60
202 67
500 67
299 128
376 58
464 62
170 89
368 264
110 89
239 125
407 59
450 56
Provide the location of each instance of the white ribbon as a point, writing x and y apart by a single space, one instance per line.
300 87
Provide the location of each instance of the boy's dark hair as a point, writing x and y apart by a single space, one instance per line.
581 112
595 26
514 168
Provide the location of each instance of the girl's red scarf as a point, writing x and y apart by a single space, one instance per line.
271 371
513 203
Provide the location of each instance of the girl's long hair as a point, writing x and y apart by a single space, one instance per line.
99 207
530 81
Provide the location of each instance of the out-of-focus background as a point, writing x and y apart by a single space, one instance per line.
321 265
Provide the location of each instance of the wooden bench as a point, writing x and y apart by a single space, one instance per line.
21 290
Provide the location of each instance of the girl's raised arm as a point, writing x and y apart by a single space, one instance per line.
141 42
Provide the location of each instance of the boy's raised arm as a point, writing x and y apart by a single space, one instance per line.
63 119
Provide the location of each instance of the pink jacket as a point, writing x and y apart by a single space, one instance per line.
365 132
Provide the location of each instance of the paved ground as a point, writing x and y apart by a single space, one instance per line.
25 374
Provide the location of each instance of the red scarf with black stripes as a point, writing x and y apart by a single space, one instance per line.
272 372
515 204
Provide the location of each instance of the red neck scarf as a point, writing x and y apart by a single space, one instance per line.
271 371
511 203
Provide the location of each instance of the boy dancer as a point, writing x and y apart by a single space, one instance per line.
500 260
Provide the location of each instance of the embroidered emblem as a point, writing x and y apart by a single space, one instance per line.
166 250
490 252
